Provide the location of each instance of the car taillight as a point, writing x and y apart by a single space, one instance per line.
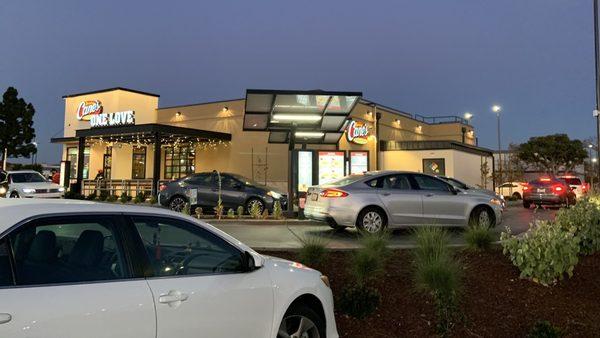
333 193
558 188
162 187
525 188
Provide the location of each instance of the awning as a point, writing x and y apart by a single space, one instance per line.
313 116
144 133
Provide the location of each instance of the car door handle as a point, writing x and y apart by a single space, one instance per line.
429 195
5 318
173 298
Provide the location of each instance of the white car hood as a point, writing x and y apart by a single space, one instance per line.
35 185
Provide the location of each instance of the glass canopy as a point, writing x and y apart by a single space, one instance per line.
313 116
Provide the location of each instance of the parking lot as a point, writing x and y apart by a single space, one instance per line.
281 237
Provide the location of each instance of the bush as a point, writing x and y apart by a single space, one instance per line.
437 273
359 301
219 208
377 243
103 195
277 210
187 209
199 212
585 218
255 211
545 253
479 237
240 211
544 329
124 198
153 200
111 198
73 196
230 213
313 252
91 197
139 198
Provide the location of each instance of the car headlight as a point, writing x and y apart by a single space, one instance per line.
2 190
61 189
496 201
274 194
28 190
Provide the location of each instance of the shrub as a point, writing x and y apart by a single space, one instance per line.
139 198
92 196
219 208
359 301
124 198
73 196
545 253
153 200
377 243
187 209
230 213
479 237
103 195
265 213
277 210
240 211
313 252
585 218
545 329
255 210
199 212
437 273
111 198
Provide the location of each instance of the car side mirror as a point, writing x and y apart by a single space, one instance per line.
454 190
248 263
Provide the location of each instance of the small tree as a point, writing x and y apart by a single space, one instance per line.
16 126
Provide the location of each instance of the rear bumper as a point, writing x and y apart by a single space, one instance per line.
334 216
544 199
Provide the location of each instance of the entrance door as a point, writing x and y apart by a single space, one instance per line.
199 287
403 203
71 280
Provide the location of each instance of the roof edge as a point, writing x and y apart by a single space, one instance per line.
110 90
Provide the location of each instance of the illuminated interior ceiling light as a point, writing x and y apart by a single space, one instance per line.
178 114
370 113
397 121
296 117
309 134
225 109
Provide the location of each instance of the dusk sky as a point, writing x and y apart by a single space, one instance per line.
435 58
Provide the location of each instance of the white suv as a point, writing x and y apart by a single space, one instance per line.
579 187
28 184
85 269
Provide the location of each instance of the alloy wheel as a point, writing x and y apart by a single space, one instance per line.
484 219
255 201
298 327
177 204
372 222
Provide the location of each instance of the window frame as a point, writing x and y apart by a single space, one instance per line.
188 168
143 255
412 183
123 241
449 187
140 154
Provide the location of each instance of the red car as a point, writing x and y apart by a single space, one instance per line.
548 191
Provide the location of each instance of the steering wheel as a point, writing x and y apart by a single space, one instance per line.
220 264
185 264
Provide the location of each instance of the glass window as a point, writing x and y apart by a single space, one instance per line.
228 182
107 163
138 167
200 179
375 183
5 268
27 178
72 156
2 177
176 247
431 183
573 180
179 162
434 166
67 249
399 182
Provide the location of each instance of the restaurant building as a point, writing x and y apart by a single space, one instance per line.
286 139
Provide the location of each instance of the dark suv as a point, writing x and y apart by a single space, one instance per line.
236 191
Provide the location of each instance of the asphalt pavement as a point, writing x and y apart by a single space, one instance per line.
284 237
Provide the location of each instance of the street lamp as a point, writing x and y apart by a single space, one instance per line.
497 109
468 116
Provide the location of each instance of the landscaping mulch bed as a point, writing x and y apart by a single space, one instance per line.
495 302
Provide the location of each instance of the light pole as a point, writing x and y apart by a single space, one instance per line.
34 154
497 109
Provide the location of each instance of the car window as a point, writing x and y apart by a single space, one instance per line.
572 180
399 182
5 268
228 182
27 178
2 177
200 179
375 183
176 247
430 183
67 249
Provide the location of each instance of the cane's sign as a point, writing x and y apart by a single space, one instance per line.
88 108
357 132
92 110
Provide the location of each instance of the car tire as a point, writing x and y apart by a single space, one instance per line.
301 321
526 204
371 220
14 194
482 216
252 201
177 203
516 195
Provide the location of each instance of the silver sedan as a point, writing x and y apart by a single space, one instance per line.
376 200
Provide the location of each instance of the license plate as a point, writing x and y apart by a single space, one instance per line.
314 196
541 190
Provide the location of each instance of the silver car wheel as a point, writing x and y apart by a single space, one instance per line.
254 201
372 222
484 219
298 327
177 204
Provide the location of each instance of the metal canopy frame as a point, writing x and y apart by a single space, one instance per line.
315 112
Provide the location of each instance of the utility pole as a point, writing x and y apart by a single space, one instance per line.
597 108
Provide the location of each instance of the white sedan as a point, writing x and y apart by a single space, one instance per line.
83 269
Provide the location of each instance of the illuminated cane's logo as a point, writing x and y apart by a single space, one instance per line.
357 132
88 108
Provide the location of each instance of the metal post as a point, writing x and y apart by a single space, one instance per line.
80 164
156 165
377 145
499 151
291 170
596 55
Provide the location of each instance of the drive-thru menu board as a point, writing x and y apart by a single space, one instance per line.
359 162
331 166
305 171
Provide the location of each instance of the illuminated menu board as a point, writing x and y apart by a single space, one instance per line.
359 162
304 170
331 166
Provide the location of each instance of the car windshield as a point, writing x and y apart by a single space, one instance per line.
346 180
572 180
456 183
27 178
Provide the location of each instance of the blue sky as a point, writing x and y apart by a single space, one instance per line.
434 57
